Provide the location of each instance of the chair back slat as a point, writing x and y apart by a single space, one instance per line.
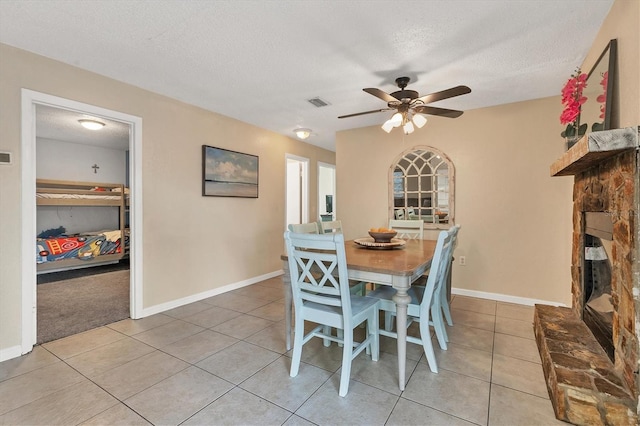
304 228
454 243
331 226
318 269
439 267
408 229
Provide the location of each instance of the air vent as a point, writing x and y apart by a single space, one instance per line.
317 102
5 158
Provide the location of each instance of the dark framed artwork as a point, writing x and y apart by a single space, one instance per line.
228 173
596 111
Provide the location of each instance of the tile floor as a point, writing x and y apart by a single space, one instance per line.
223 361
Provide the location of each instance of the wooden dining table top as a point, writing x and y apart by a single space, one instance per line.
398 261
401 261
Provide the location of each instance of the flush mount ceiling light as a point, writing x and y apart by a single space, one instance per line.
91 124
302 133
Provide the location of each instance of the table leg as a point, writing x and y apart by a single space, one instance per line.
402 300
288 302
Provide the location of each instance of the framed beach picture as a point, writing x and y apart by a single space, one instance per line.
228 173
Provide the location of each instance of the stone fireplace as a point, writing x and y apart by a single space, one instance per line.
590 352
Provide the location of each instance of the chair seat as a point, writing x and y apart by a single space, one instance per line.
332 315
385 295
416 292
358 305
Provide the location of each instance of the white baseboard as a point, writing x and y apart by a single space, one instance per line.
152 310
503 297
9 353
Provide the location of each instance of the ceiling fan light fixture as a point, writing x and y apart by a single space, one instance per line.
397 119
388 126
91 124
408 128
302 133
411 107
419 120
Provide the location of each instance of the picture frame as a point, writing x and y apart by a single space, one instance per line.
596 112
227 173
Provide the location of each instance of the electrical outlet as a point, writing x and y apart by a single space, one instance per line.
463 260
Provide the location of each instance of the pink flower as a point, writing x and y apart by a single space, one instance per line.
572 97
602 98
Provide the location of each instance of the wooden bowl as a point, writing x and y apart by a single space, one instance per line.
383 237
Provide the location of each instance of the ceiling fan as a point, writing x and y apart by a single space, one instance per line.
410 105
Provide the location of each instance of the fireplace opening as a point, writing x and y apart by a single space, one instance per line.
598 303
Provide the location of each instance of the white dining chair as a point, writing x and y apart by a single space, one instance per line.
304 228
407 229
326 300
331 226
411 214
399 214
425 302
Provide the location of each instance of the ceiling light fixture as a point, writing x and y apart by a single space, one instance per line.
406 120
302 133
419 120
91 124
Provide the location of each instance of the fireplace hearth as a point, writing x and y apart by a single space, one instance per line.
590 352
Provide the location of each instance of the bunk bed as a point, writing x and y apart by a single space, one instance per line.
59 252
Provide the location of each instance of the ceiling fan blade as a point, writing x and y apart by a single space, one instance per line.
445 94
366 112
442 112
380 94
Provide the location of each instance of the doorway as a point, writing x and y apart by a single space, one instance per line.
30 100
297 190
327 191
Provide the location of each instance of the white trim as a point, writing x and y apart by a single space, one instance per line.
28 205
9 353
503 297
152 310
305 185
135 217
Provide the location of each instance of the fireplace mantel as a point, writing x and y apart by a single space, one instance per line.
593 148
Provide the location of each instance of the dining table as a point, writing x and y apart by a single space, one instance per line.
396 266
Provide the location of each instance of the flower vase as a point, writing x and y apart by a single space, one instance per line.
571 141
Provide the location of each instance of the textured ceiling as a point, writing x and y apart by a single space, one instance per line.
62 125
260 61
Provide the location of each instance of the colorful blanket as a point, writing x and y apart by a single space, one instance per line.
83 246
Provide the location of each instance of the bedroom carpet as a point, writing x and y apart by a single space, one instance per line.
80 304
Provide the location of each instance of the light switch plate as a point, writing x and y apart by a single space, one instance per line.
5 157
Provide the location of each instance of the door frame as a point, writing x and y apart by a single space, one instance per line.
30 99
304 214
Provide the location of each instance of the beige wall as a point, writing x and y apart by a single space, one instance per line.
192 244
516 219
623 24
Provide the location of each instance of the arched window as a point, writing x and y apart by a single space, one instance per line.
421 186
